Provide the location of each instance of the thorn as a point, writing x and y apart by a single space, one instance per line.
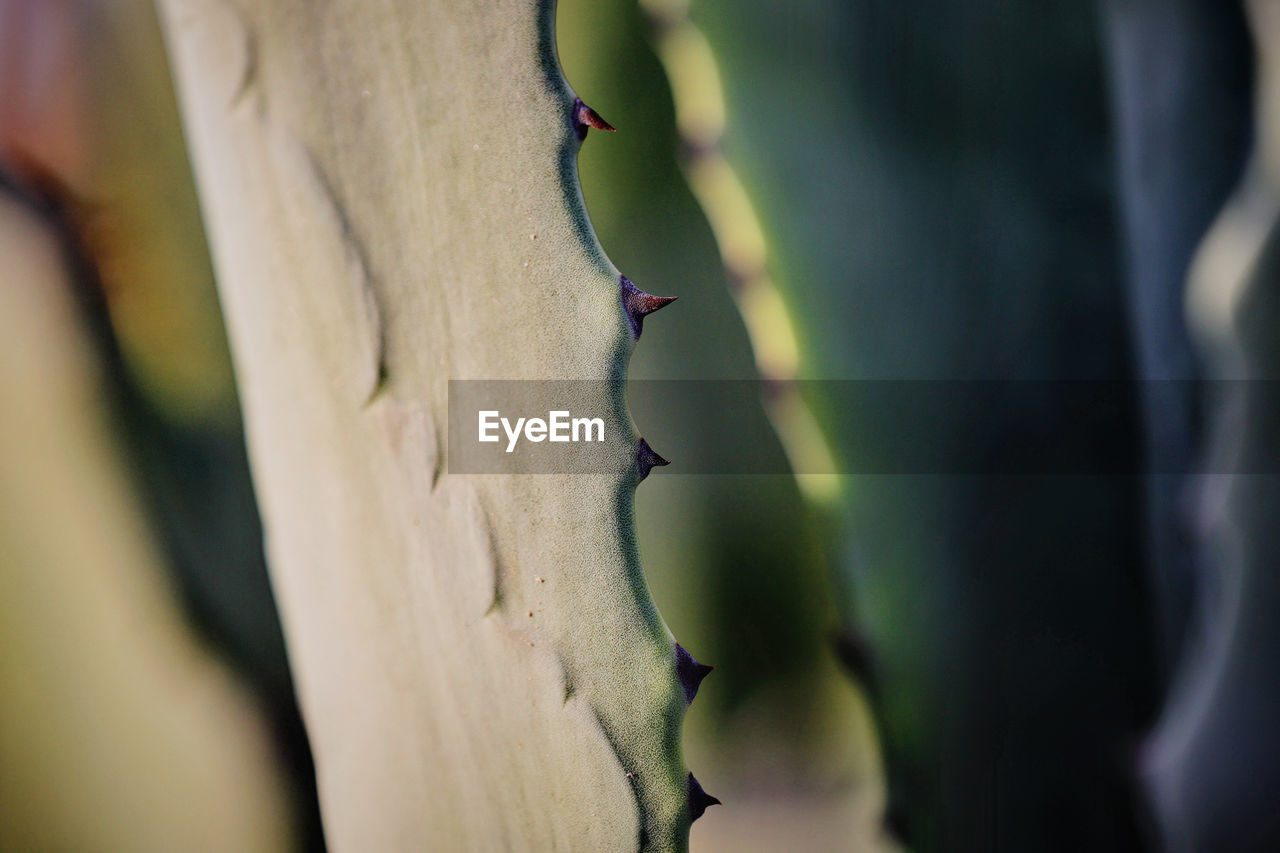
690 673
585 117
637 303
699 800
646 459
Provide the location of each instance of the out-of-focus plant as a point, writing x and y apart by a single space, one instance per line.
91 146
907 193
1197 111
119 731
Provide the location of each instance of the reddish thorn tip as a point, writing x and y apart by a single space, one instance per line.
636 303
699 800
690 673
646 459
585 117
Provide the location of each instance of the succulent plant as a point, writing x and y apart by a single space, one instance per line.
896 196
732 559
485 648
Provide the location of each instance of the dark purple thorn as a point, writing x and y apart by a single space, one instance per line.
637 303
585 117
699 800
690 673
646 459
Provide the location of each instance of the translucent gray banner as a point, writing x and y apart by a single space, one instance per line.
865 427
